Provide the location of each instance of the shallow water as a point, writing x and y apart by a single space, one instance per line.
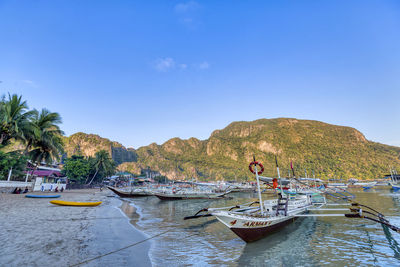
311 241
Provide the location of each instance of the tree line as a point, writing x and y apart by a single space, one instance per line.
35 136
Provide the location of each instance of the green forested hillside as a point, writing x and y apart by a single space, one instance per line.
88 144
328 150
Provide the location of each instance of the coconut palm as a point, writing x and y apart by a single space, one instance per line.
44 141
43 124
103 163
14 119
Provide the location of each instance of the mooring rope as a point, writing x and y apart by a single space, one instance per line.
131 245
85 219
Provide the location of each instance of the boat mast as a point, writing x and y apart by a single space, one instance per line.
258 186
279 177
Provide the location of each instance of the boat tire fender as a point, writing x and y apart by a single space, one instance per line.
256 163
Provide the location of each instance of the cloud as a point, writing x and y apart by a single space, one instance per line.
164 64
186 7
30 83
188 14
204 65
168 64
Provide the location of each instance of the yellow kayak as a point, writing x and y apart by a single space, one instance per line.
73 203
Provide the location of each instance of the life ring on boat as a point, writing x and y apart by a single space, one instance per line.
256 163
173 190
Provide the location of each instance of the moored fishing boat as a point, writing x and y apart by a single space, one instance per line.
394 180
337 185
132 193
251 223
363 184
175 194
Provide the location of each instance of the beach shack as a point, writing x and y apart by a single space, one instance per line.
45 178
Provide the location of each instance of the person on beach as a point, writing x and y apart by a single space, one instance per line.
19 190
62 189
15 191
56 189
25 191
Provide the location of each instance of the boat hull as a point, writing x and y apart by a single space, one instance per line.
129 195
254 234
185 196
165 197
252 228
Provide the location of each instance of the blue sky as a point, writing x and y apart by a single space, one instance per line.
145 71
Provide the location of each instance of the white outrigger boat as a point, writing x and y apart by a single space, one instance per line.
252 222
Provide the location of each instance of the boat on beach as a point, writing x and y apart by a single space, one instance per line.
43 196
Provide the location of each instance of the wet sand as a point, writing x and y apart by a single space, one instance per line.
37 233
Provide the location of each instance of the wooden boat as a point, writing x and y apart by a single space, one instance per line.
43 196
73 203
252 223
131 194
337 185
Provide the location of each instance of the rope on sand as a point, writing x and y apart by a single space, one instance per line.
131 245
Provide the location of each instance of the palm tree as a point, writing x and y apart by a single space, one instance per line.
14 119
103 162
44 137
43 124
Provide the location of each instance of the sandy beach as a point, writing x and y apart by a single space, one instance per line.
37 233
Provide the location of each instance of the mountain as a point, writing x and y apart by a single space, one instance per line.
88 144
330 151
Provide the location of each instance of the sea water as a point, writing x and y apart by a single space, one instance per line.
310 241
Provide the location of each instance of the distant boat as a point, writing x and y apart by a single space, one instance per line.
395 188
394 180
189 194
337 185
363 184
132 193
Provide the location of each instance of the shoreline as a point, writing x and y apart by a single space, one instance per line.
37 233
116 234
